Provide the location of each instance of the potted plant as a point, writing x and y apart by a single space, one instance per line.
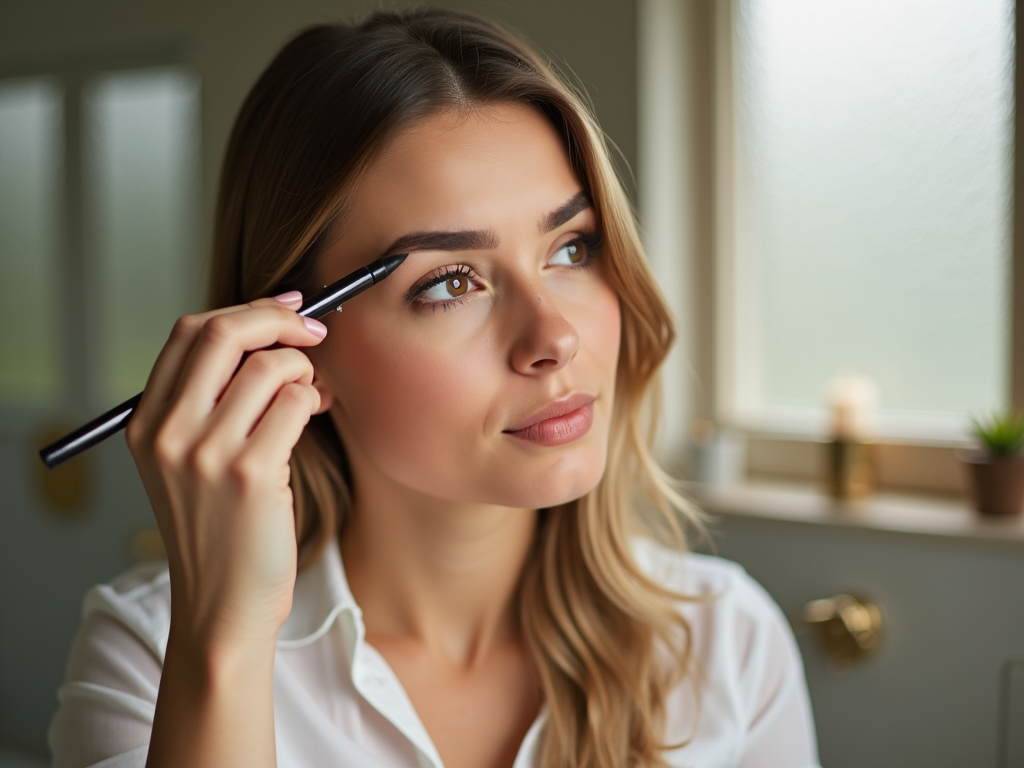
996 469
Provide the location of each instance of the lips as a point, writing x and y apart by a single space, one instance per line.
560 421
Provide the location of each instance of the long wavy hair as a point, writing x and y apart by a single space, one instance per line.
608 641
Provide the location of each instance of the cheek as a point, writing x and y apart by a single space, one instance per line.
415 405
600 329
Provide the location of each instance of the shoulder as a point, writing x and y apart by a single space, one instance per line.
139 599
719 584
741 639
112 677
744 649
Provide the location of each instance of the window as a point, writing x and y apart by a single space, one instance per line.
828 187
31 167
141 134
99 183
872 209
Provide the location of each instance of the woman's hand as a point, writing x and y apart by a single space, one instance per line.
212 438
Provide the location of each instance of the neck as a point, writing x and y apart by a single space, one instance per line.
443 574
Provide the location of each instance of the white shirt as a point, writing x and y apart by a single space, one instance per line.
338 703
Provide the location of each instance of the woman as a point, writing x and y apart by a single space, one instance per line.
455 466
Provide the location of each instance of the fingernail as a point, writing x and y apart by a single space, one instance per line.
290 297
315 326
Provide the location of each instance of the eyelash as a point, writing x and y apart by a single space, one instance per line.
591 241
443 276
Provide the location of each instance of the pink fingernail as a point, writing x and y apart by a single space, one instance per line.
290 297
315 326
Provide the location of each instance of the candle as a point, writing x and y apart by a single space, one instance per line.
853 401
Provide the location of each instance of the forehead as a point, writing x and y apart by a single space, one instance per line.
496 166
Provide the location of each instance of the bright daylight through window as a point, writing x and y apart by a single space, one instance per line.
872 220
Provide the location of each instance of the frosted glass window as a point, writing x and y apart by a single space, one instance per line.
31 158
141 169
873 203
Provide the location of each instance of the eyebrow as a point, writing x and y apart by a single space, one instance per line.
565 212
483 239
466 240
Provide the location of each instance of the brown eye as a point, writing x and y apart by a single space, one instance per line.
456 285
453 283
572 253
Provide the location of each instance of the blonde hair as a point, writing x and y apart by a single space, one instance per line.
608 641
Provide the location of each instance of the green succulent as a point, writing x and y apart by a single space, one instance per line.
1002 434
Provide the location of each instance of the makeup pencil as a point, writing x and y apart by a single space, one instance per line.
328 300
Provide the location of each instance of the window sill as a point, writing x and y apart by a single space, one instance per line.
886 514
903 468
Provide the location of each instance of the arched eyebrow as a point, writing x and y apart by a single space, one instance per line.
465 240
483 239
565 212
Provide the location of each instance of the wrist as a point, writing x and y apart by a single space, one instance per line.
213 663
220 696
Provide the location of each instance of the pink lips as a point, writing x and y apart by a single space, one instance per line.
559 422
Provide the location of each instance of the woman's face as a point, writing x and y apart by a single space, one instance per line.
483 370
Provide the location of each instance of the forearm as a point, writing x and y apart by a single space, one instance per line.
215 710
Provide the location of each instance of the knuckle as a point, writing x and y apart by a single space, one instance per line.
186 327
264 362
298 361
287 315
204 461
298 399
220 329
290 354
293 395
133 434
245 470
166 448
268 361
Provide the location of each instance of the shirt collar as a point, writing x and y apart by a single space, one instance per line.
321 594
321 598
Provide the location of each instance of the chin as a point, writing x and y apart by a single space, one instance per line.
566 481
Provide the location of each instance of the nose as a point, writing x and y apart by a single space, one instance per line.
545 341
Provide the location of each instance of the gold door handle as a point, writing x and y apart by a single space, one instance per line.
848 627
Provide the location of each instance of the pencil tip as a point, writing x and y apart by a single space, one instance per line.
390 263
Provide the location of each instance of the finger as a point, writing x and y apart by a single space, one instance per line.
164 377
276 434
251 392
218 351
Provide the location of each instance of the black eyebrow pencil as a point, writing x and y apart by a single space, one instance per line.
328 300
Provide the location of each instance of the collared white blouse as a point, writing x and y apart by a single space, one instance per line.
337 703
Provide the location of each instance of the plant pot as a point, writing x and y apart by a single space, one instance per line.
996 484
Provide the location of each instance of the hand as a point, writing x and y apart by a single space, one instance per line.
212 438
